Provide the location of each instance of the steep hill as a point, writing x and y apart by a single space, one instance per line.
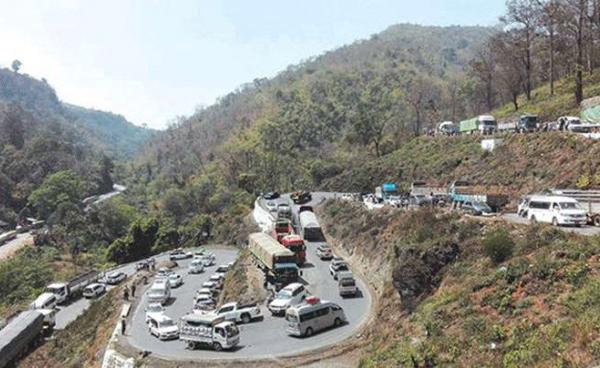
312 120
111 133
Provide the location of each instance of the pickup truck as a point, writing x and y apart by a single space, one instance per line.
237 312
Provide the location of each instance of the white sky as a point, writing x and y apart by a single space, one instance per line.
151 60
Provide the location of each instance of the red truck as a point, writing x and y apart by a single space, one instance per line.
295 243
282 228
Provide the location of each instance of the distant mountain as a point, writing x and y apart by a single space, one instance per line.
112 134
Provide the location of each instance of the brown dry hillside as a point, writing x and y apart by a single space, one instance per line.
525 163
444 303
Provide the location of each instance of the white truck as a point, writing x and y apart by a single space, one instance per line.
237 312
73 288
208 330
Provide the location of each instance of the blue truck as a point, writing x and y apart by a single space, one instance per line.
460 192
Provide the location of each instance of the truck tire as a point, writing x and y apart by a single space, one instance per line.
596 220
308 332
555 222
533 220
337 322
245 318
217 346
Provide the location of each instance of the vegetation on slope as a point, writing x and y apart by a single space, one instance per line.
446 303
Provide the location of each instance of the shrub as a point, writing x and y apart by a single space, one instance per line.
498 245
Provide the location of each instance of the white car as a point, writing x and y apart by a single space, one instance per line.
196 266
208 259
153 309
222 269
114 278
175 280
163 272
179 254
218 279
204 293
163 327
210 285
291 295
94 290
335 268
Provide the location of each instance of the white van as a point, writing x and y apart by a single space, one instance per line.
556 210
159 292
293 294
45 301
313 316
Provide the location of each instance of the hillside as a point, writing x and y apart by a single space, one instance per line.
445 302
113 134
337 110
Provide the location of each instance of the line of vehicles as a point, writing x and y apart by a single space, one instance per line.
557 206
526 123
29 328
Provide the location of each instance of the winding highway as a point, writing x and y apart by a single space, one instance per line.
260 339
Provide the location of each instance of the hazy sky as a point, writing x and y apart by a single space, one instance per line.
151 60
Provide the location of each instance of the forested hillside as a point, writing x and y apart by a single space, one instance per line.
307 124
113 134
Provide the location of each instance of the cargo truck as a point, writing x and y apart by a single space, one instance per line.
460 192
65 291
278 262
309 227
21 334
282 228
208 330
483 124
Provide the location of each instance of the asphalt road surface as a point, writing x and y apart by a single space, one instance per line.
10 247
259 339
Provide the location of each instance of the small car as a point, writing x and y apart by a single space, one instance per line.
222 269
476 209
94 290
163 272
218 279
114 278
179 254
196 266
175 280
335 268
211 285
208 259
142 265
324 252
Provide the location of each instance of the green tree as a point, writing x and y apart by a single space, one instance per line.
60 187
16 65
498 245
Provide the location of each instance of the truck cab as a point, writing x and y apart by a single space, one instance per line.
295 243
527 123
60 291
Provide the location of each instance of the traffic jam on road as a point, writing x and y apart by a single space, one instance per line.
311 292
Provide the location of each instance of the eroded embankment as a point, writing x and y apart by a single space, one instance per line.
442 301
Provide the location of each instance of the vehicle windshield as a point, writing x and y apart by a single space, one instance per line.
575 122
154 308
297 247
232 330
284 294
53 290
167 323
291 318
342 267
489 122
483 206
570 206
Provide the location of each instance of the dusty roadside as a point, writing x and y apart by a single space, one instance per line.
10 248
